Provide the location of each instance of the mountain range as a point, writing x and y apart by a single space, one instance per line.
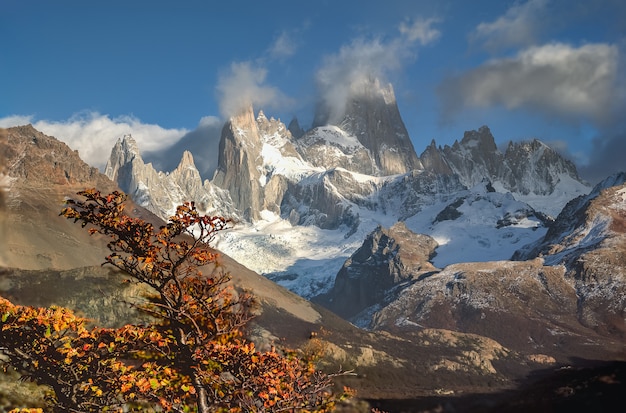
436 276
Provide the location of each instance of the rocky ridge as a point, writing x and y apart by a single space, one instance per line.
524 168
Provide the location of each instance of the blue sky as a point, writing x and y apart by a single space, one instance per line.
88 72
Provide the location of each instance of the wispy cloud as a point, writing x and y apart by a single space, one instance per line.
284 46
420 30
556 79
94 134
244 85
519 26
363 60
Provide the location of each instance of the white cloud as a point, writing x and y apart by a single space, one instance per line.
15 120
210 121
355 65
420 30
93 134
244 85
284 46
362 61
555 79
519 26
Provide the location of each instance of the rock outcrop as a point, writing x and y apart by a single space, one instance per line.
387 258
43 160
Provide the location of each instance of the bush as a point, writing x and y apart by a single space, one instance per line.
193 358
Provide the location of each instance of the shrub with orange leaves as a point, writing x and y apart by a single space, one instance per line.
195 358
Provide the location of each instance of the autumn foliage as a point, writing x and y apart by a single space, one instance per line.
193 358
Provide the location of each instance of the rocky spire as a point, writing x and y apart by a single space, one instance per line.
124 151
237 170
433 160
372 116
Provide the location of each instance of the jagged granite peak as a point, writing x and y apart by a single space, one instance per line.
186 161
475 158
238 163
482 140
433 160
161 192
372 117
274 133
527 167
187 176
269 126
123 152
387 258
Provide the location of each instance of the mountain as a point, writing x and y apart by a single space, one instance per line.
380 141
564 300
161 192
49 260
588 239
466 327
529 167
323 190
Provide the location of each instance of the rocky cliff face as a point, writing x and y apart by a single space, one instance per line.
331 147
541 166
43 160
238 164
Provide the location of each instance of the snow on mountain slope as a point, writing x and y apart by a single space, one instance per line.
478 226
307 203
305 259
565 190
470 225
